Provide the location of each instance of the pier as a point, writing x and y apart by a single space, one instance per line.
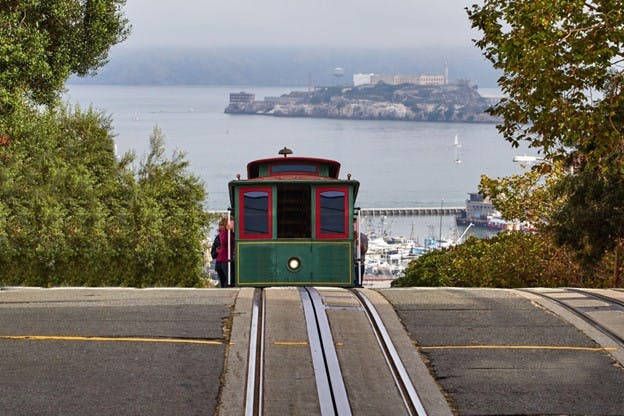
405 212
413 211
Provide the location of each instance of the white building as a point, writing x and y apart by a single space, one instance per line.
372 79
362 79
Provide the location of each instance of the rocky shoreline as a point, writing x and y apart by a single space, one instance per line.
440 103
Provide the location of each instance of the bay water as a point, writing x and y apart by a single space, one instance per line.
398 163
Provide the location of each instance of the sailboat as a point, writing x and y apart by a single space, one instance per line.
456 145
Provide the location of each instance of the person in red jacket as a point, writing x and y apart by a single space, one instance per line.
225 257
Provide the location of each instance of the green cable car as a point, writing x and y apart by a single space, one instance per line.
294 223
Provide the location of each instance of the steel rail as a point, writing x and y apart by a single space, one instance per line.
599 296
399 373
333 399
584 316
253 397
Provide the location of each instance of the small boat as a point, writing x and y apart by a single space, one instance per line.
527 158
456 145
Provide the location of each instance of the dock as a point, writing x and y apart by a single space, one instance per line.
409 211
412 211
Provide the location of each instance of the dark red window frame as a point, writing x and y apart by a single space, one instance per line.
241 205
345 234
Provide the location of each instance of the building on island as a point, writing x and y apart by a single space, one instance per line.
372 79
362 79
242 98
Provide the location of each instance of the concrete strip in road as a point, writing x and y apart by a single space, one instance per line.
593 333
428 390
289 381
367 378
232 399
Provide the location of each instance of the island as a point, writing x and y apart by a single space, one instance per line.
458 102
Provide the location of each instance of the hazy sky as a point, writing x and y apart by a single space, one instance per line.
339 23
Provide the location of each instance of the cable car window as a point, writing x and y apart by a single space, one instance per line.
332 213
256 213
293 168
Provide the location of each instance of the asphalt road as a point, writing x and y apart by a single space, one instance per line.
162 352
121 352
497 353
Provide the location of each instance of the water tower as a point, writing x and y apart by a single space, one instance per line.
338 73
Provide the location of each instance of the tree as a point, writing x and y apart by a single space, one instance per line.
563 81
54 173
509 259
169 217
70 212
43 42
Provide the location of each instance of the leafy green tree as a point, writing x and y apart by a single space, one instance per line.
592 219
509 260
43 42
51 191
169 217
70 212
563 81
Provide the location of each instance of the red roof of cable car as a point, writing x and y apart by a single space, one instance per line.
254 166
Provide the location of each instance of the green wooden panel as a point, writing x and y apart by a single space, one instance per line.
332 262
260 263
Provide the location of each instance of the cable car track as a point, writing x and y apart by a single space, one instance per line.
617 338
253 398
404 384
329 381
599 296
333 397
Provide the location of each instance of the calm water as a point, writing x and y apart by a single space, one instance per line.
399 164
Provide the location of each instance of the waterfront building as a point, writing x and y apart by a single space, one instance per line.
242 98
478 207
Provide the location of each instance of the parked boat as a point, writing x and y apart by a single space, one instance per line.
527 158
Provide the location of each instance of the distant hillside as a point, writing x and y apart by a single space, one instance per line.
283 66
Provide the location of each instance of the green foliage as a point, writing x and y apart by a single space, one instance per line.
43 42
508 260
526 197
558 58
71 214
592 219
170 219
563 81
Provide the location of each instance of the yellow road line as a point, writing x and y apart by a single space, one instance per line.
516 347
291 343
111 339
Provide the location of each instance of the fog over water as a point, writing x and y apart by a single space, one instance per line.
345 23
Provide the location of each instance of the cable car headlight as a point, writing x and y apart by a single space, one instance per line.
293 264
